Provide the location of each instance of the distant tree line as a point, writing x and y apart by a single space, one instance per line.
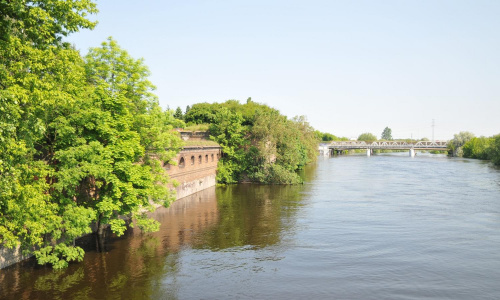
328 137
369 137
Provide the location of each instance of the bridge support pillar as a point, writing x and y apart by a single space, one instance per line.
368 152
412 152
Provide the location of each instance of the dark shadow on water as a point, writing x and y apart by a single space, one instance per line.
144 266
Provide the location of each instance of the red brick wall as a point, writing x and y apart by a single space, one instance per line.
193 168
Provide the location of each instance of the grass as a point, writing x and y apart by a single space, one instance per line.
191 143
197 127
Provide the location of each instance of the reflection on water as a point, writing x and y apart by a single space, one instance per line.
184 220
251 216
382 227
134 265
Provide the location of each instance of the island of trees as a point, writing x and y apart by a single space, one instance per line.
258 143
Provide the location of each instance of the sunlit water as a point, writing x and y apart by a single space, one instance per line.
380 227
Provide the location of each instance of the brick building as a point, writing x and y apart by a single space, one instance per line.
196 164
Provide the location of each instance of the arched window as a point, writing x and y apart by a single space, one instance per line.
206 158
199 159
192 160
212 157
166 165
182 163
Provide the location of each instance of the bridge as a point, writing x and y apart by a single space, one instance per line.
338 147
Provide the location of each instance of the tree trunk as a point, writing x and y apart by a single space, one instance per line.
101 235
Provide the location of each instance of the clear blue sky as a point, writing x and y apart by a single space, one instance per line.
349 66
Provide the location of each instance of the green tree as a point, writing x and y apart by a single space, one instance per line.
306 144
478 147
325 136
269 147
460 139
201 113
387 134
40 78
367 137
126 136
277 151
43 23
178 114
104 149
229 133
494 150
79 140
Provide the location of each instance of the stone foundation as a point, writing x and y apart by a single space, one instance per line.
191 187
194 169
11 256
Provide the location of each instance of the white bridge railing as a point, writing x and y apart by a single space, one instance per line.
424 145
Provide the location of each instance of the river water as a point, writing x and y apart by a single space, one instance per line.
381 227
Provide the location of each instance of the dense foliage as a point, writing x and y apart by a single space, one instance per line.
487 148
258 143
81 138
367 137
467 145
328 137
478 147
455 145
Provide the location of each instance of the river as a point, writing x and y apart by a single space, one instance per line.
382 227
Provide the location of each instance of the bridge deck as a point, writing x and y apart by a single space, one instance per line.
389 145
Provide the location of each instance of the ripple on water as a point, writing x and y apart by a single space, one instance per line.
380 227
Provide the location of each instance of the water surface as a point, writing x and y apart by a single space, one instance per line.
381 227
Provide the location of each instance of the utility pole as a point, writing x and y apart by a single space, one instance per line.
433 125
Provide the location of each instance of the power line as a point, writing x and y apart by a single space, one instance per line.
433 125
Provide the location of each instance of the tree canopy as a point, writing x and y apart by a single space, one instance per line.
178 114
367 137
387 134
477 147
81 138
327 137
259 144
459 139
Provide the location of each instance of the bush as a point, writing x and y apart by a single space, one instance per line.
494 150
367 137
276 174
477 147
